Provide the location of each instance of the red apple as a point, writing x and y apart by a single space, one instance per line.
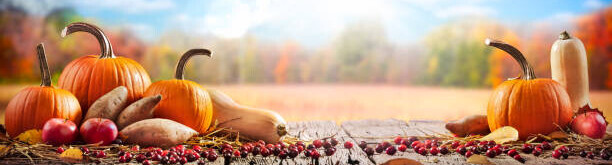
591 124
97 130
57 131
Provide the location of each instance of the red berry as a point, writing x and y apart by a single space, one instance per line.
293 153
156 157
537 152
348 145
330 151
434 151
469 143
100 154
282 154
379 148
386 144
236 153
563 149
604 156
135 148
59 150
402 148
590 155
527 148
390 150
369 151
85 150
317 143
398 140
443 150
327 145
183 160
122 159
264 152
519 158
491 143
455 144
315 154
556 154
415 143
461 150
583 154
128 156
244 154
406 142
140 158
468 154
422 151
147 162
212 156
363 144
491 153
333 142
512 152
546 145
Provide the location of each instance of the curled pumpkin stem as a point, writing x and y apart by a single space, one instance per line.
105 46
528 73
180 66
44 68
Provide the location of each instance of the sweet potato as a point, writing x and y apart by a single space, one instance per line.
137 111
157 132
475 124
109 105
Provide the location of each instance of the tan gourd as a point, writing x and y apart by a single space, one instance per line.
568 63
252 123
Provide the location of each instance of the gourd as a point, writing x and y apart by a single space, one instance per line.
252 123
90 77
568 64
182 100
529 104
33 106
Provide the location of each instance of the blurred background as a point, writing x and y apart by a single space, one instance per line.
319 59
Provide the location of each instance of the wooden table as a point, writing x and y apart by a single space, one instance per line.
368 130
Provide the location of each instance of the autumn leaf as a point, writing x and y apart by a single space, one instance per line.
478 159
558 135
502 135
33 136
402 161
72 154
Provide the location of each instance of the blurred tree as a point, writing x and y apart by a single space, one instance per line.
595 31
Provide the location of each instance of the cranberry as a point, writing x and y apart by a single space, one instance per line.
140 158
434 151
369 151
469 143
265 152
300 149
310 147
363 144
604 156
135 148
583 154
172 160
147 162
474 150
204 154
330 151
443 150
512 152
491 153
149 154
128 156
307 153
491 143
402 148
300 143
386 144
293 153
546 145
122 159
276 151
468 154
317 143
461 150
181 147
164 160
590 155
85 150
527 148
243 154
518 157
156 157
422 151
201 162
379 148
334 142
563 149
390 150
348 145
282 154
556 154
398 140
59 150
414 144
455 144
183 160
212 156
413 138
416 148
327 145
406 142
314 154
565 155
537 152
497 150
256 150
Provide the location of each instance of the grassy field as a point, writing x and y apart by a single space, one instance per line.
350 102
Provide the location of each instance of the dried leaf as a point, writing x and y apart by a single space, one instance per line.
558 135
402 161
502 135
33 136
72 154
478 159
4 150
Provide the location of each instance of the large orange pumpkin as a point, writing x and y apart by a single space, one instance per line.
183 101
90 77
531 105
33 106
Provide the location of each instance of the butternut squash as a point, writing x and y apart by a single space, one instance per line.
252 123
568 63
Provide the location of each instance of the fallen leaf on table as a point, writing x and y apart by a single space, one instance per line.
478 159
4 150
72 154
558 135
402 161
33 136
502 135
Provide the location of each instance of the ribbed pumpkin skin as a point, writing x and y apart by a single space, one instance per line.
183 101
538 106
33 106
90 77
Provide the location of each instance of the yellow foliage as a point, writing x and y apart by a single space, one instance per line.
502 135
33 136
72 154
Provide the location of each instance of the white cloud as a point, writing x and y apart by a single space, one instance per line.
593 4
131 6
464 10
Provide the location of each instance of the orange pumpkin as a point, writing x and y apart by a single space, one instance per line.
531 105
33 106
92 76
183 101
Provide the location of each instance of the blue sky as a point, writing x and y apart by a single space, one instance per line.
316 22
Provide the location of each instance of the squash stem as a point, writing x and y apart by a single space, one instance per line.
564 36
528 73
180 66
105 46
44 68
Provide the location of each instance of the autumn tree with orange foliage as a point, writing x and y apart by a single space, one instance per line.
595 31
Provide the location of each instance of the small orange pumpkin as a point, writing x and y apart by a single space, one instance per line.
90 77
529 104
33 106
183 101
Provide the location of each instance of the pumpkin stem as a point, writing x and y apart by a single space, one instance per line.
564 35
180 67
105 46
44 69
528 73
